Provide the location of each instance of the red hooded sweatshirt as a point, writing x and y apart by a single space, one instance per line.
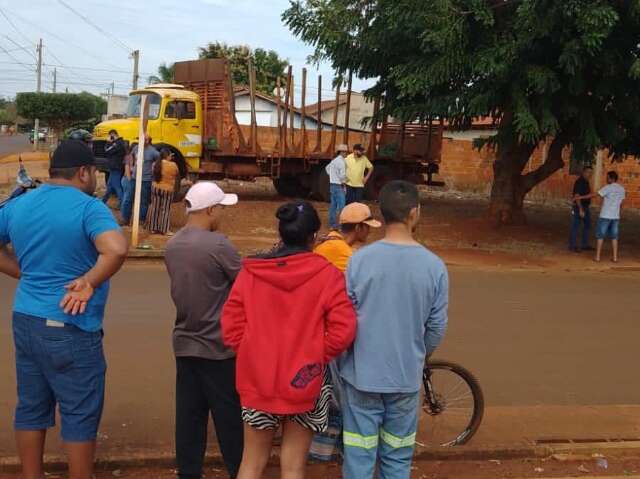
286 318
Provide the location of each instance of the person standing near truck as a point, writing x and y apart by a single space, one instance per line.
115 149
67 246
149 157
337 171
203 264
359 171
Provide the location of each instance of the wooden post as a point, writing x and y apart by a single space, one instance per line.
303 117
400 151
334 127
345 135
144 113
319 116
252 98
374 130
292 113
286 109
279 106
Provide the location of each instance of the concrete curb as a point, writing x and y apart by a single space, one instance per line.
574 452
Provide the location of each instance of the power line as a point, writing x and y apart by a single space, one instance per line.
100 29
14 27
21 47
62 40
12 57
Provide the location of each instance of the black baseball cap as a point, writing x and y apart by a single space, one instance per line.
358 147
72 154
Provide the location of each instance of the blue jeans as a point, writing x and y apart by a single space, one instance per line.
129 187
114 186
576 221
354 195
58 363
378 427
608 229
337 204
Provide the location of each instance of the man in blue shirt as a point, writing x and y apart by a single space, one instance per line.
400 292
151 155
66 246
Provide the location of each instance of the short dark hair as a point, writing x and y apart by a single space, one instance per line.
348 227
612 175
299 221
397 199
587 167
64 173
113 131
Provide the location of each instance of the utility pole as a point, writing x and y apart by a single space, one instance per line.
113 88
36 126
55 79
136 60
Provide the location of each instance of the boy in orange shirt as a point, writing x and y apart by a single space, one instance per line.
356 222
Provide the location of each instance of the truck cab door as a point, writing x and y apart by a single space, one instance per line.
181 128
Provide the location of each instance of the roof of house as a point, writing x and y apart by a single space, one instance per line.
325 105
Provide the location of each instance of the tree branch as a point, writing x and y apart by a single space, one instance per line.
553 163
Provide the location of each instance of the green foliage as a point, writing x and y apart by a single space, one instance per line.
59 110
268 65
568 69
166 74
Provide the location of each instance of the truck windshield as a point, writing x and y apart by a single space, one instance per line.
133 108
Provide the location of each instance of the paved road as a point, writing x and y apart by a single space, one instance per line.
532 339
13 144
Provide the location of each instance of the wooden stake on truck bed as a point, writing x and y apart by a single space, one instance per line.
252 97
279 107
303 119
286 110
345 134
334 127
318 147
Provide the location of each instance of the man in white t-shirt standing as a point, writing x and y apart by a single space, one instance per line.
609 223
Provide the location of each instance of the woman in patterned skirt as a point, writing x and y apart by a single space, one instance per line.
287 317
165 172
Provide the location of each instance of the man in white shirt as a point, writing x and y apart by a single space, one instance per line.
609 223
337 171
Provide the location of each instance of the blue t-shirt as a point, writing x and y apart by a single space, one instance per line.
151 155
401 296
53 231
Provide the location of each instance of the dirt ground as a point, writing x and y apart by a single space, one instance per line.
450 469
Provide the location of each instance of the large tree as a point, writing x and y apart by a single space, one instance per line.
60 110
268 64
565 71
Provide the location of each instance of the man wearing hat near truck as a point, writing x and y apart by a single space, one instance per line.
357 165
67 246
202 265
337 171
355 223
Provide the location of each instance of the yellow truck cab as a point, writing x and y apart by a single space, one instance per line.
175 122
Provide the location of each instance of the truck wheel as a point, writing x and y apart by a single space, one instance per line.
290 187
179 159
320 184
382 175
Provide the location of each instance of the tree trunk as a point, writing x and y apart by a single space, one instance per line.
510 187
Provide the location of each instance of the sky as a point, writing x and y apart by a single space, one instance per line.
89 59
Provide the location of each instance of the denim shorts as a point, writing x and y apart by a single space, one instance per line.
58 364
608 229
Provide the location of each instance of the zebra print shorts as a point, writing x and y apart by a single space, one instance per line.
317 420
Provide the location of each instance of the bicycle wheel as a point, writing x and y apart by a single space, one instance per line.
453 404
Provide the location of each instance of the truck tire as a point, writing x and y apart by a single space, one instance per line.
320 184
179 159
290 187
382 174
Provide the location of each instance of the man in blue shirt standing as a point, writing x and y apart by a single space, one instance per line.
400 292
66 246
150 156
337 171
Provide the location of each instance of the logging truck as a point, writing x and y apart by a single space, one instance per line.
195 118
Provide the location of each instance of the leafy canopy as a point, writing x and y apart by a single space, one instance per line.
166 73
268 64
60 110
568 69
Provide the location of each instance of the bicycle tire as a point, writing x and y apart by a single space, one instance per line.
478 397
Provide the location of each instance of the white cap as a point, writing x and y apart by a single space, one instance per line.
205 194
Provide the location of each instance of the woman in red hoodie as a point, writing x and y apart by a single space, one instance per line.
288 315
